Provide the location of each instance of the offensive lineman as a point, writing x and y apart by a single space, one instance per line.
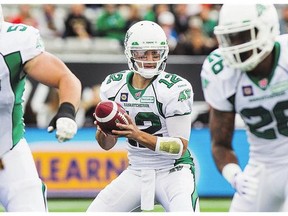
248 75
22 53
160 165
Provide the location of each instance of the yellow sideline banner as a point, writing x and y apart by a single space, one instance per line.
79 170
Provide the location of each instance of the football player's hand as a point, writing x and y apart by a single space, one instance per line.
246 185
64 123
129 130
98 126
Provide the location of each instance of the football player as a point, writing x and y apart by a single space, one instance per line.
22 53
159 104
248 75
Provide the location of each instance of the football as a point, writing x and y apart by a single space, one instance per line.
107 114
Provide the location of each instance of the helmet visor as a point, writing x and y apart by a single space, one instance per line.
148 55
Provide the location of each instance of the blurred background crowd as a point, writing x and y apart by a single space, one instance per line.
101 28
189 27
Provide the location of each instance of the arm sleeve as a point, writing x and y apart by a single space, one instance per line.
179 126
178 111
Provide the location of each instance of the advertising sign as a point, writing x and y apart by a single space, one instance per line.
80 168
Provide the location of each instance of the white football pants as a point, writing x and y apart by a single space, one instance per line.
173 189
21 189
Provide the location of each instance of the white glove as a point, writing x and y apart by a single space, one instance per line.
64 123
66 128
245 185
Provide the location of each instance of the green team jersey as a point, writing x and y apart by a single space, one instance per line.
19 43
262 104
167 95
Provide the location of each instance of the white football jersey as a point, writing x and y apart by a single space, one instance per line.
19 43
262 104
166 96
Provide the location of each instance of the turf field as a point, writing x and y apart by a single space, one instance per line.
80 205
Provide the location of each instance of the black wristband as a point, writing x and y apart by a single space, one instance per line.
66 109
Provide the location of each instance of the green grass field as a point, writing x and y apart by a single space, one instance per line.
80 205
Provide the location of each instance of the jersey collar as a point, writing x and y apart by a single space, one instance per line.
136 93
264 82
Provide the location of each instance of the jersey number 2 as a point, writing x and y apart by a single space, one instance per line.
143 117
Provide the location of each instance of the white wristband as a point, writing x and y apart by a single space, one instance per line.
170 146
229 171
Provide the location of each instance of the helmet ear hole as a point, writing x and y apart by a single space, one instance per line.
256 32
132 60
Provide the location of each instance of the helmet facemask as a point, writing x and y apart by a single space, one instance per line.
146 66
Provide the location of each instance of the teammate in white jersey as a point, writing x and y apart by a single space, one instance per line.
159 104
22 53
248 75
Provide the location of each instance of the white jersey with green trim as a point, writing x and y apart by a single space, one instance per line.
166 96
262 104
19 43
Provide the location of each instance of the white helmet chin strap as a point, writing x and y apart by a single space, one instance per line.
147 73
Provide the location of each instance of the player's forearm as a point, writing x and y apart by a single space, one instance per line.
223 156
70 90
146 140
227 163
106 142
222 128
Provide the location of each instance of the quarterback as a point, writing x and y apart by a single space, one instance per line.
159 104
248 75
22 54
